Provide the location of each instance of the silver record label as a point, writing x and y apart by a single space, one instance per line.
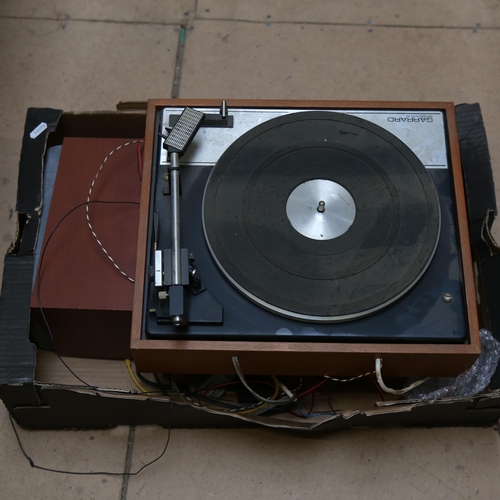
320 209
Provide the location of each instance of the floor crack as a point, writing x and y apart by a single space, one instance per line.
128 462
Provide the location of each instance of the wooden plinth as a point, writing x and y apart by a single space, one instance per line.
190 356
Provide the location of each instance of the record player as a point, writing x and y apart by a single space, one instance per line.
304 237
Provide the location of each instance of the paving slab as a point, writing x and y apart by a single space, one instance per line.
90 450
441 463
433 13
148 11
228 59
82 66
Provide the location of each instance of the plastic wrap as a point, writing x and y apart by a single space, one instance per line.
468 383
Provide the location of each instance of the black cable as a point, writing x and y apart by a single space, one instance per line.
39 274
91 473
156 384
49 330
162 388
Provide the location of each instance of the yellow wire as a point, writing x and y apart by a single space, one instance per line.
128 364
276 392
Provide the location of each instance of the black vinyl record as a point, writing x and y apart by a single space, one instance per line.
321 216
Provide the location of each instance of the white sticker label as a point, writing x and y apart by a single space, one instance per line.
38 130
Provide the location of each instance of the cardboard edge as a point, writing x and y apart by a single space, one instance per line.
17 354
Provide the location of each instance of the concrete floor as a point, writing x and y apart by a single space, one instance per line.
89 55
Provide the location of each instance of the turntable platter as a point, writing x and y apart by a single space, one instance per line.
321 216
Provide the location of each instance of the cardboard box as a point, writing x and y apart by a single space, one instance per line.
40 392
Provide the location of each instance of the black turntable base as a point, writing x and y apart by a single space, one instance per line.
313 226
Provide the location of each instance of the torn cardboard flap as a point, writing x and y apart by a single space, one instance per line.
486 234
